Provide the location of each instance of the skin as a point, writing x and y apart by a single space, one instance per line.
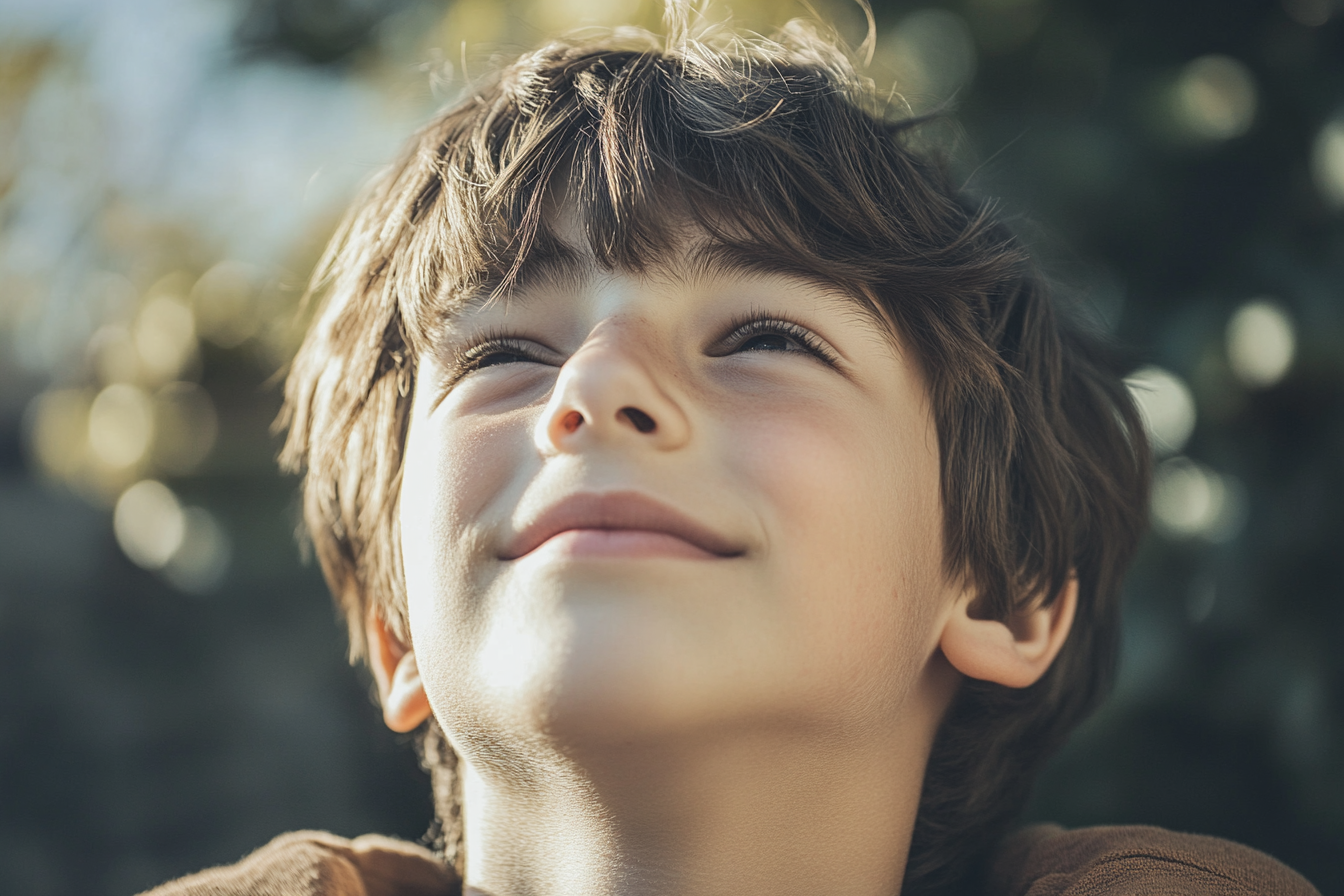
637 715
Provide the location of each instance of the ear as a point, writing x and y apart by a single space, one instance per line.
1015 652
405 705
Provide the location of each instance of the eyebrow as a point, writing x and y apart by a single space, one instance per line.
561 267
709 258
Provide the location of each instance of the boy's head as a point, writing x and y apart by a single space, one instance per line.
707 295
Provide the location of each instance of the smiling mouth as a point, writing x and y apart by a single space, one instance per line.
619 524
627 543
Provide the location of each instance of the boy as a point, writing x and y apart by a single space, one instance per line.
713 483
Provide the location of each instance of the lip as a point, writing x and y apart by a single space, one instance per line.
630 512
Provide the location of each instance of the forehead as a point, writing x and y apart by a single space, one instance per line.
561 267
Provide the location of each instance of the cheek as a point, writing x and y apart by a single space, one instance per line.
449 477
458 475
454 469
854 516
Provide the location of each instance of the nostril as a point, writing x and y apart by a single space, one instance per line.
642 421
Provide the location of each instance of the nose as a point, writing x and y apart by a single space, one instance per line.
606 394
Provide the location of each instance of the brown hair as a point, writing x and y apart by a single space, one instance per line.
779 151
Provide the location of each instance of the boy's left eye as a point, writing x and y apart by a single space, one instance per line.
769 342
763 334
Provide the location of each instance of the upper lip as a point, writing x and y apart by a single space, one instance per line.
616 510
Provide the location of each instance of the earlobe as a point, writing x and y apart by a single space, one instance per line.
405 704
1014 652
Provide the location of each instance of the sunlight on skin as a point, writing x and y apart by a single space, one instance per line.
658 638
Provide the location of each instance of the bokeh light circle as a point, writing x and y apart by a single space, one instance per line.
1166 405
1261 343
149 524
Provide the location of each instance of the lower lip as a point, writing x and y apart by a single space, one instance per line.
622 543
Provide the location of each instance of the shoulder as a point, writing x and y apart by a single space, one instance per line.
1047 860
315 863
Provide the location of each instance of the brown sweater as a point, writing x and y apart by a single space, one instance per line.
1046 860
1042 860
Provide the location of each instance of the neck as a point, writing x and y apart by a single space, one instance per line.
754 812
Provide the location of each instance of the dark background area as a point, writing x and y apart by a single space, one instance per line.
1174 163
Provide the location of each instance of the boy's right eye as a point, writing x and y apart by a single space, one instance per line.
498 355
493 352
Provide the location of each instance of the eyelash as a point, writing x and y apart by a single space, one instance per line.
739 332
471 359
743 329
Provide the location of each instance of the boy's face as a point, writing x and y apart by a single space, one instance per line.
642 506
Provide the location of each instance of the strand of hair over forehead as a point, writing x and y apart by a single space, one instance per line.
767 77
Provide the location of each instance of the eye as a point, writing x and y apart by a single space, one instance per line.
495 355
494 352
769 342
767 334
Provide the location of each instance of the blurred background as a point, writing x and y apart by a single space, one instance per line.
174 684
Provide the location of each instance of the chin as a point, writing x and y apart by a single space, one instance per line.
602 667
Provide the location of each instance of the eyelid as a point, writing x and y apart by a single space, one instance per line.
755 323
466 359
